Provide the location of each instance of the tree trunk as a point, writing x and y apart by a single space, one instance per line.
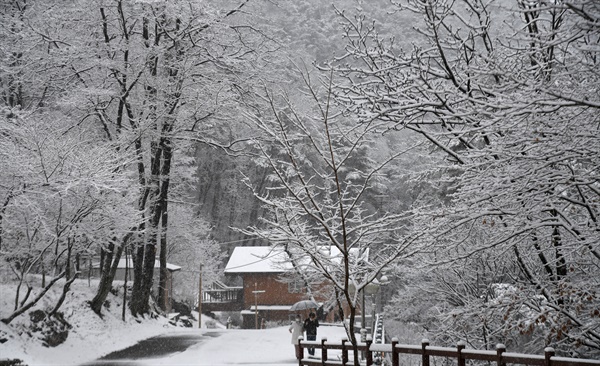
63 296
163 291
111 263
351 332
146 254
137 255
147 275
23 309
105 284
138 270
68 278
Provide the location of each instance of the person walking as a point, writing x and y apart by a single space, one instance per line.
297 329
310 326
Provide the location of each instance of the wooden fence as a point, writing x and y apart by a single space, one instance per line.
375 351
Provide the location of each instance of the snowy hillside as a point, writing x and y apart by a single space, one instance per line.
89 336
92 337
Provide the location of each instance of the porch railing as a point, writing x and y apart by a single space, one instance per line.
223 295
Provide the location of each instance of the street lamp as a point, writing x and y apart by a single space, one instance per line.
382 282
369 289
374 290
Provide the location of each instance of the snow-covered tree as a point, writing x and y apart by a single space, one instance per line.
509 92
146 78
191 248
322 177
63 199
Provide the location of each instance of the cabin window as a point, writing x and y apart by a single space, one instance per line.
295 286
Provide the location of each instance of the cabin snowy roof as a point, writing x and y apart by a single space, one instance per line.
267 259
170 267
258 260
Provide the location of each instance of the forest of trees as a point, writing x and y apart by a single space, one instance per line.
457 143
507 94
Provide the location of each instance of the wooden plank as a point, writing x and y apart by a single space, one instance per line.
308 362
442 352
500 357
523 359
564 361
472 354
408 349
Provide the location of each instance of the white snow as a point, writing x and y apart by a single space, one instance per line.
249 347
270 259
93 337
129 264
258 259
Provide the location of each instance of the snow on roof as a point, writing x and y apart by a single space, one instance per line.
258 260
170 267
268 259
267 308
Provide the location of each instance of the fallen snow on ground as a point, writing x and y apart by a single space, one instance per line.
249 347
92 337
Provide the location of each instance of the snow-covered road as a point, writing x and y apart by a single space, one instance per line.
230 347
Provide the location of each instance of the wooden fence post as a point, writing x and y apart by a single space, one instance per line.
548 353
395 358
369 353
300 351
323 350
344 351
459 347
424 355
500 349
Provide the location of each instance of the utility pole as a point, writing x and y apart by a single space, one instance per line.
200 299
256 292
363 320
125 285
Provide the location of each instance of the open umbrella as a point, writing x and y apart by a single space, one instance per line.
303 305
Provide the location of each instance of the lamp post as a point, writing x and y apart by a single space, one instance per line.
373 289
363 313
256 292
382 282
200 299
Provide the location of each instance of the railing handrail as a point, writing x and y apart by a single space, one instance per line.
378 330
499 356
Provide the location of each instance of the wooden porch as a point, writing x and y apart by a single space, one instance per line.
222 298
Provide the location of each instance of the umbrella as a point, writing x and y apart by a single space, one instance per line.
303 305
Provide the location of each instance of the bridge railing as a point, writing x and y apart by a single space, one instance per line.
500 357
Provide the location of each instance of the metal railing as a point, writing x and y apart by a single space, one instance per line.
379 338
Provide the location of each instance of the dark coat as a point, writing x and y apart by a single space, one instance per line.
310 326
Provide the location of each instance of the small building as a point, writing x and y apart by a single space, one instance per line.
267 293
126 266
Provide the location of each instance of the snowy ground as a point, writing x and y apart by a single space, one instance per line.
92 337
248 347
